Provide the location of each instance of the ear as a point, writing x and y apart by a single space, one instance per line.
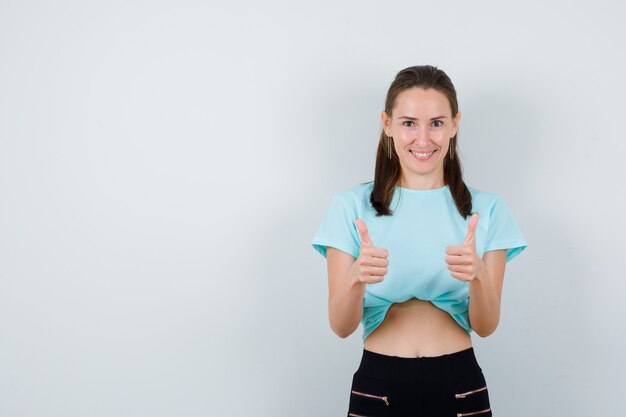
455 123
386 120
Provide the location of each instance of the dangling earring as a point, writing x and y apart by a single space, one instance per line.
389 142
451 148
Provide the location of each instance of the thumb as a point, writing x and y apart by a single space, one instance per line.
365 236
470 239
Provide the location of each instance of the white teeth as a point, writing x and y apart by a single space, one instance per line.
421 155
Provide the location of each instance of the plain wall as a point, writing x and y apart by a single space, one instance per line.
164 166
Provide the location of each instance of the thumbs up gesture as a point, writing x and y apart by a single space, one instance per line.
463 261
371 265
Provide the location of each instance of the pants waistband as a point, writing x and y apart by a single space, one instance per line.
421 369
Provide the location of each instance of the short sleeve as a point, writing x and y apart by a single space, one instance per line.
503 232
338 229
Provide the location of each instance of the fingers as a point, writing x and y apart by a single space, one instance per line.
461 259
471 230
376 253
371 279
371 266
367 246
379 271
371 274
458 259
363 232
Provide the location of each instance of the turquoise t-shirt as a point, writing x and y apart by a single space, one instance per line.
423 224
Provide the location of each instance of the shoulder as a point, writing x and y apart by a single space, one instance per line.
482 198
356 196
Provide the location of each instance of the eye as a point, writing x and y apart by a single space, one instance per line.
408 121
438 121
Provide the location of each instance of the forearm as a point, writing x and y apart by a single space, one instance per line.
484 305
345 308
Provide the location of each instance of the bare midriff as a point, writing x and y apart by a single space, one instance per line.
416 328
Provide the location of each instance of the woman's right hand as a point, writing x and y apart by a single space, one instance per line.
371 265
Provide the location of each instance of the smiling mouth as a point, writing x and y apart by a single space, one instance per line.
422 156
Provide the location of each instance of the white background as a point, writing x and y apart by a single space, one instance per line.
164 166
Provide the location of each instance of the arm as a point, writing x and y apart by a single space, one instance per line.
345 293
485 293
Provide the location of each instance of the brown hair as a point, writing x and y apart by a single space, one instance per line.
387 171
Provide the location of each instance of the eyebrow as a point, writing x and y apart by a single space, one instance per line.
414 118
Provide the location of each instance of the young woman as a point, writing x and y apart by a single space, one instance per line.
418 257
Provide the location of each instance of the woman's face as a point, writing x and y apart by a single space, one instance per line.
421 122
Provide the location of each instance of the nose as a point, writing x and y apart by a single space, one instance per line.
421 136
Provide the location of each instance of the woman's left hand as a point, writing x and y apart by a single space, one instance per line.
463 261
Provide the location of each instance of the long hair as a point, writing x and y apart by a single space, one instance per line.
387 171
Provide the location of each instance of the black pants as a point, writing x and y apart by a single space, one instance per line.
450 385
